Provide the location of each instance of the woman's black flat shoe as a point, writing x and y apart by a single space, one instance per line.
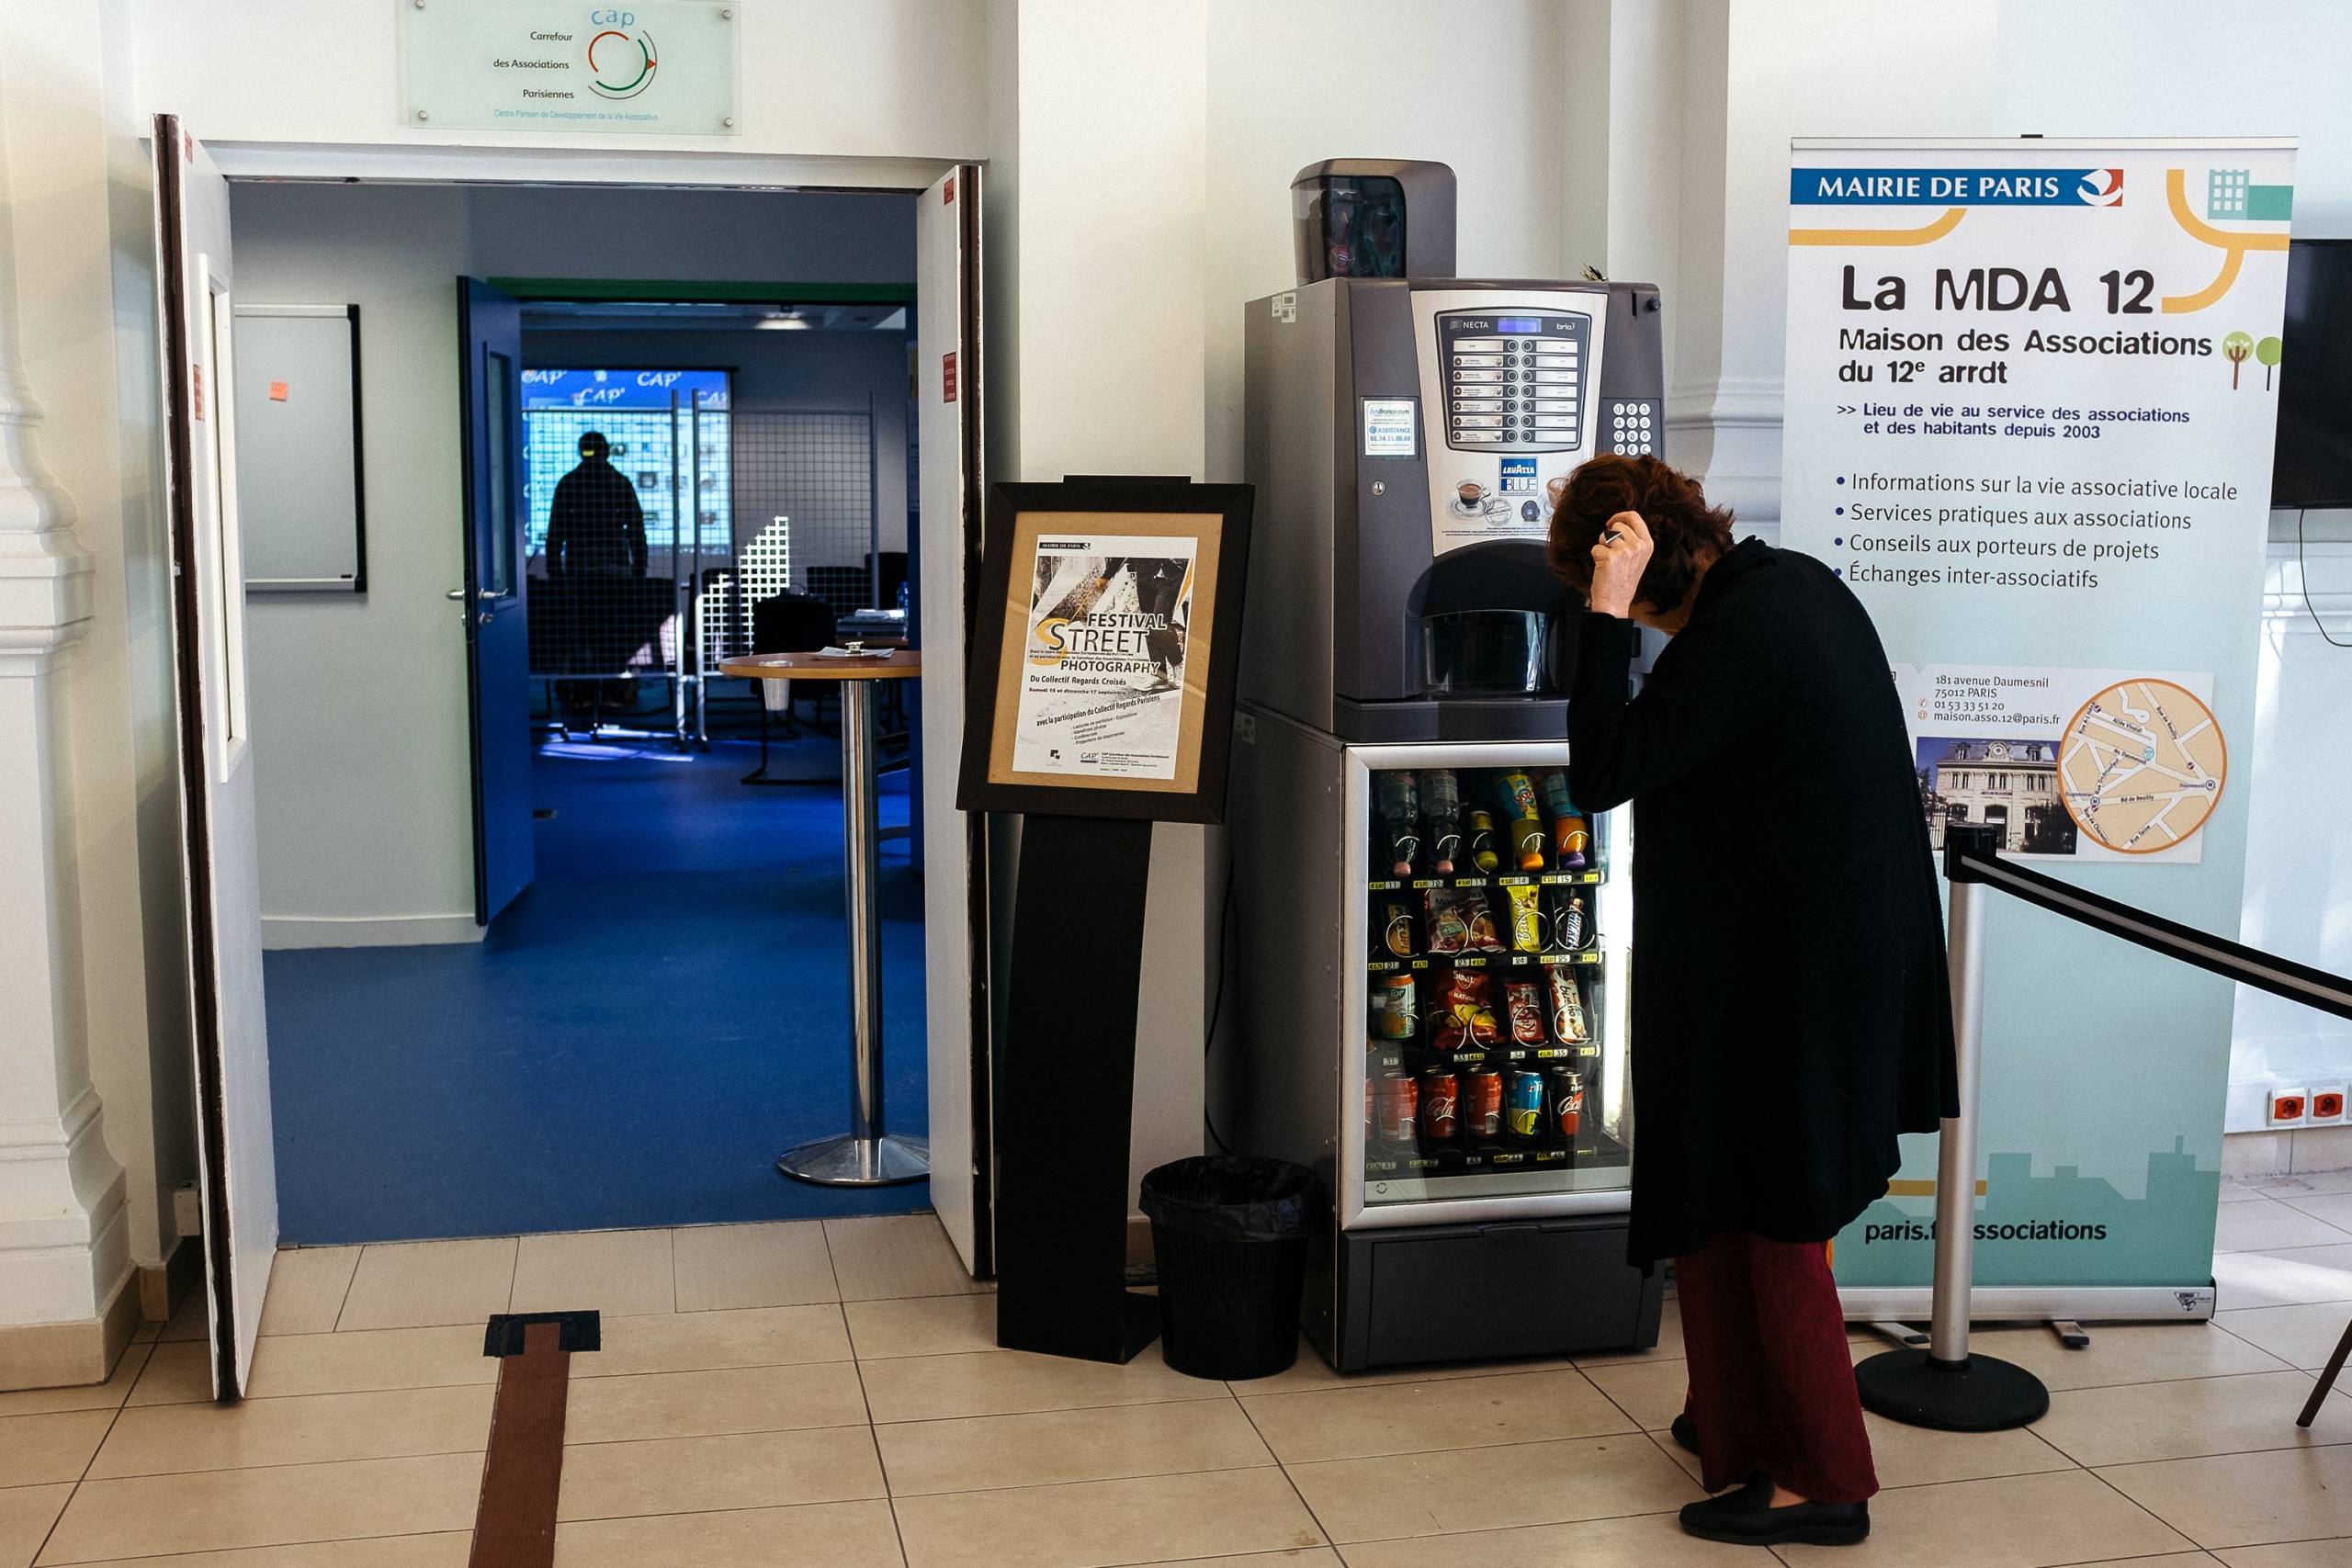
1685 1432
1747 1517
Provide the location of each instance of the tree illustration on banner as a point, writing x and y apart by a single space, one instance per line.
2235 348
2266 353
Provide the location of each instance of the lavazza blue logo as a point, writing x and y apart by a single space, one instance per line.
1956 187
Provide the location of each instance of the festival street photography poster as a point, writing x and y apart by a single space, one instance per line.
1108 632
2032 389
1103 666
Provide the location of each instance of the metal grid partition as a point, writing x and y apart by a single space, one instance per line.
804 495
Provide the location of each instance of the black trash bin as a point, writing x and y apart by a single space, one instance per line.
1231 1237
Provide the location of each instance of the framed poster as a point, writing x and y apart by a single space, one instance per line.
1105 650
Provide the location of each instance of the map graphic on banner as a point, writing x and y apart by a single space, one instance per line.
2072 765
2030 411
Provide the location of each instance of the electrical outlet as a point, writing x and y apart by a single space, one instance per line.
2290 1107
188 1210
2327 1104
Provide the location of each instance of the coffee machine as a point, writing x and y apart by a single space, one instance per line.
1404 675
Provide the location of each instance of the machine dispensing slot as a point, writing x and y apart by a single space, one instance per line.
1485 653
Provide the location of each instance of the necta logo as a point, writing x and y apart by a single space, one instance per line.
2101 187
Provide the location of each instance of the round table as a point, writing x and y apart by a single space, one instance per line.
865 1155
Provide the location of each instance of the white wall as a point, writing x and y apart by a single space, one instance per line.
879 78
360 748
1109 142
2168 68
1761 75
1292 85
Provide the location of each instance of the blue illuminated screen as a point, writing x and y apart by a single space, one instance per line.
1519 323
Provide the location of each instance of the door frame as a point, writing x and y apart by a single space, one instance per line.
765 173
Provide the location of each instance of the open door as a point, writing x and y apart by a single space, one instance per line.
236 1162
494 599
956 883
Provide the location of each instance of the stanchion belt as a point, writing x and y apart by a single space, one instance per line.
2264 971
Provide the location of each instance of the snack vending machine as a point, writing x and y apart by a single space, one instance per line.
1429 958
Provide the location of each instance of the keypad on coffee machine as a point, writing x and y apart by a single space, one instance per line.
1631 425
1513 382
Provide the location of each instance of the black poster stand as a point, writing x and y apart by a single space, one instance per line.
1067 1097
1065 1075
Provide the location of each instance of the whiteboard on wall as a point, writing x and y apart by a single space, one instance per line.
298 475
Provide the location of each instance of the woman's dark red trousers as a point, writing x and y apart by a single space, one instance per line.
1771 1385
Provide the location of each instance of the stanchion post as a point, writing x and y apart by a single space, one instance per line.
1945 1385
1956 1144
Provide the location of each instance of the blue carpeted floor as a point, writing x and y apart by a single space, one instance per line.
657 1018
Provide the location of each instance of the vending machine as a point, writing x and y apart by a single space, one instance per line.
1429 942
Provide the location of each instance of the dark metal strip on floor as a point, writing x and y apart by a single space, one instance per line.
523 1473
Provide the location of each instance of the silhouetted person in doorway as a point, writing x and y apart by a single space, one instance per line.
596 529
595 541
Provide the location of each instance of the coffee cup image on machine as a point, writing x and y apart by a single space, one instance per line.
1472 498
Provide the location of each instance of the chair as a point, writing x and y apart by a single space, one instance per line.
787 623
790 622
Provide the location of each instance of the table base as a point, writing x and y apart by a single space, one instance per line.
850 1161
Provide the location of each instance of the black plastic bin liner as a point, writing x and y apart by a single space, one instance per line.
1231 1238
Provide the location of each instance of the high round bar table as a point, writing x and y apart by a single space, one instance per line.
865 1155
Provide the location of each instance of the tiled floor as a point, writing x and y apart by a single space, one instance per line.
829 1394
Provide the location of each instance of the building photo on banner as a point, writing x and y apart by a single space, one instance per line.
2031 395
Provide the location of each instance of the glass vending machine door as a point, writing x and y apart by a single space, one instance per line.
1494 921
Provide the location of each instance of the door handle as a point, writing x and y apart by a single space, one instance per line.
459 594
486 617
485 595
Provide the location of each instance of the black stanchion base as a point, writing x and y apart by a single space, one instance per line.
1982 1393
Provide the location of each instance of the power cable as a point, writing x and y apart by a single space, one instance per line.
2303 578
1217 998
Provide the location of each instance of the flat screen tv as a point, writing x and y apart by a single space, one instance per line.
2314 463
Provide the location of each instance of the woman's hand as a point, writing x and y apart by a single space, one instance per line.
1618 562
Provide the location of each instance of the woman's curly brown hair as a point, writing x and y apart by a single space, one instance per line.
1687 531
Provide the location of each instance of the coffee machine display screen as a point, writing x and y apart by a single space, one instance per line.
1514 383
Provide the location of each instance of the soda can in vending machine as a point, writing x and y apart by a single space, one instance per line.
1566 1116
1440 1106
1482 1103
1398 1108
1523 1105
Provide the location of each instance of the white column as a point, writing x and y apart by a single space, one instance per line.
1704 97
1101 288
64 1256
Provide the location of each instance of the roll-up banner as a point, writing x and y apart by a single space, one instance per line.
2032 396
